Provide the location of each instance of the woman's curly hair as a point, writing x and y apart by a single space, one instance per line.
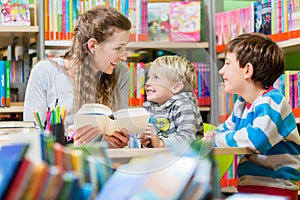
100 23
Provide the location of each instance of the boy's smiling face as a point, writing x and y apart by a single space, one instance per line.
233 75
158 89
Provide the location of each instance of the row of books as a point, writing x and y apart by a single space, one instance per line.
87 172
138 74
167 21
14 13
10 72
288 83
265 16
60 16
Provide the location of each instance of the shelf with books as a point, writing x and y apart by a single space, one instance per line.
288 46
16 107
18 29
18 37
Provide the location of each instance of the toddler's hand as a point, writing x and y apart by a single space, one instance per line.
150 138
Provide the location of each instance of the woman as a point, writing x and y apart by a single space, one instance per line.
86 73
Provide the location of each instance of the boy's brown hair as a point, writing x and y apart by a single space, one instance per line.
266 56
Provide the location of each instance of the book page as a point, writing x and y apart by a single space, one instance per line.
94 120
111 127
94 109
134 120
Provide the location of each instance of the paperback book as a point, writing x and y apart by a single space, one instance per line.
134 120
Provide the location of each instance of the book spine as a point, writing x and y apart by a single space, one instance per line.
60 14
7 84
2 84
46 19
65 9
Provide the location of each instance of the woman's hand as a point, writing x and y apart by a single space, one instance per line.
84 134
150 138
117 139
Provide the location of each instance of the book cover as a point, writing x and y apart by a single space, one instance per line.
185 21
14 13
11 158
158 21
266 17
257 14
134 120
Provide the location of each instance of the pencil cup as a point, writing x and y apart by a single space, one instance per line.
58 130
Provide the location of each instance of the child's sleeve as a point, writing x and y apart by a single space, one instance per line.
268 124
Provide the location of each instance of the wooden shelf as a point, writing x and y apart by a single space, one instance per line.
19 29
204 108
229 190
167 45
63 44
16 107
288 46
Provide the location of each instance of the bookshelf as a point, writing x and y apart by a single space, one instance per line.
58 47
26 37
288 46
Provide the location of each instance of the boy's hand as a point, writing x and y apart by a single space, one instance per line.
209 136
150 138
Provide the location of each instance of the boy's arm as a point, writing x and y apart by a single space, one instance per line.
271 123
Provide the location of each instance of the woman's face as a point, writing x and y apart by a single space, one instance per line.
111 51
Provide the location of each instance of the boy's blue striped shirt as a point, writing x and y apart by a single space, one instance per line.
269 128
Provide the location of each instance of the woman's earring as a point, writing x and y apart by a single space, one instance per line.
93 52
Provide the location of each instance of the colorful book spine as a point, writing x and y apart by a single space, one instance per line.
64 25
7 83
2 83
60 14
46 20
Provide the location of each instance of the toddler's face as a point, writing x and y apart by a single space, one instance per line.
158 88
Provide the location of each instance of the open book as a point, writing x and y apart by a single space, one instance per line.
134 120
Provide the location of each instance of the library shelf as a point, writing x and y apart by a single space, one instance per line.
288 46
167 45
18 29
229 190
62 44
